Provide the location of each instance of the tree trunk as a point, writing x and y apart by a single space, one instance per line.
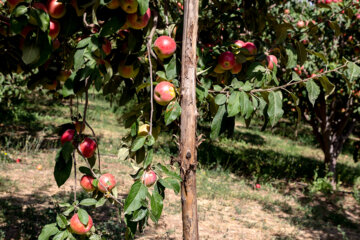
188 151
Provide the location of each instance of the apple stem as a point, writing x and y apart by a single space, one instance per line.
150 37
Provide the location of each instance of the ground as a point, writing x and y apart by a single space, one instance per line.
229 205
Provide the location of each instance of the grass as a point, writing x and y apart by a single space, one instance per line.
229 205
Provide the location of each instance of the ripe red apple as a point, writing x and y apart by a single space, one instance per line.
56 44
113 4
128 71
40 6
287 11
12 3
236 69
18 160
78 227
129 6
56 9
144 130
54 29
271 60
79 125
300 24
86 183
138 22
107 180
251 47
67 136
257 186
106 46
164 47
149 178
164 93
227 60
87 147
219 69
39 167
239 43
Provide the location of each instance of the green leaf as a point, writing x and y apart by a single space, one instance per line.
138 143
79 58
83 43
31 53
220 99
234 104
170 68
123 153
291 58
318 54
69 210
313 91
112 25
171 183
301 53
172 112
61 221
156 203
335 26
353 71
48 231
136 195
42 19
139 214
143 6
327 85
88 202
68 88
83 216
20 10
168 172
62 168
85 170
61 235
66 150
216 123
245 104
275 110
101 202
149 158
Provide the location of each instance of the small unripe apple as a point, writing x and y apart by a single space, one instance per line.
219 69
67 136
144 130
54 29
300 24
78 227
164 93
287 11
271 60
164 47
227 60
39 167
128 71
129 6
107 180
56 9
251 47
106 46
138 22
87 147
236 69
113 4
149 178
79 125
86 183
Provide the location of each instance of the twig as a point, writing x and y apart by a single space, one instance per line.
166 17
71 111
151 69
86 23
75 181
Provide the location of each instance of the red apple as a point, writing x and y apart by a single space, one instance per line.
18 160
56 9
239 43
86 183
113 4
149 178
129 6
40 6
219 69
138 22
56 44
87 147
164 47
257 186
78 227
107 180
287 11
54 29
106 46
357 50
236 69
164 93
271 60
67 136
300 24
227 60
25 31
251 47
12 3
128 71
39 167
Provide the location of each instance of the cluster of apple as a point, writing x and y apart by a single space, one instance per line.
227 60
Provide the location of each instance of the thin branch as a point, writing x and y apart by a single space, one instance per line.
75 181
151 69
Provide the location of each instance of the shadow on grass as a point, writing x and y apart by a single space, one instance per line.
23 216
